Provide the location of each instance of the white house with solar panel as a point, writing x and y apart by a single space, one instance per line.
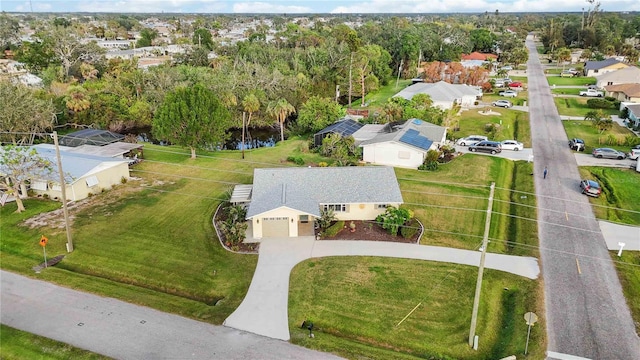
285 202
404 146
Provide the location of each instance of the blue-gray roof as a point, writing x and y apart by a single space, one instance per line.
305 189
596 65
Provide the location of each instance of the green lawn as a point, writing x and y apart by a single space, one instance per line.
150 241
18 345
620 201
357 303
627 266
378 98
512 124
577 106
574 81
614 138
566 91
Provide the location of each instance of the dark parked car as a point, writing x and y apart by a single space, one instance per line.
609 153
576 144
590 187
492 147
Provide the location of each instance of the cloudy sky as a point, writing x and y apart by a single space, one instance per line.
310 6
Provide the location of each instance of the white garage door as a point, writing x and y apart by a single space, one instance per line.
275 227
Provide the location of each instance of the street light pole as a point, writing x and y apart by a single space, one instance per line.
485 240
63 191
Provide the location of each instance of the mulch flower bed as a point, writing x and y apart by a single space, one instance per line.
367 230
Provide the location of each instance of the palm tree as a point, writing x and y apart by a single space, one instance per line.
280 110
600 120
250 104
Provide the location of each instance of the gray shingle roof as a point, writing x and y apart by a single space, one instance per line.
594 65
305 189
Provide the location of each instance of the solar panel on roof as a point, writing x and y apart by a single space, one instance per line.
413 137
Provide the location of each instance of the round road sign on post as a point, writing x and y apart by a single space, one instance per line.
531 319
43 241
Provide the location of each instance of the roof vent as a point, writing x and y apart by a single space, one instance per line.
417 121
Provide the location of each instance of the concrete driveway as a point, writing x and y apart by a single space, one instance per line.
264 309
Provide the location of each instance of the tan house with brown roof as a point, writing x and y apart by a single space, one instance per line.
624 92
627 75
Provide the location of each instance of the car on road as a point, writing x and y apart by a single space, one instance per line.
576 144
590 187
471 139
511 145
608 153
492 147
634 154
508 93
502 103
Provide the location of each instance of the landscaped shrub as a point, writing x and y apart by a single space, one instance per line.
326 218
409 230
600 103
298 160
334 229
393 218
624 114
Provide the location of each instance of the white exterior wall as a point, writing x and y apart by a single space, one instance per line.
79 189
468 100
444 105
393 154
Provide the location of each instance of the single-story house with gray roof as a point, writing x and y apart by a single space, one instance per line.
84 174
284 202
405 146
443 94
595 68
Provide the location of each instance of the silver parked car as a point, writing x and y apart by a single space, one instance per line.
608 153
470 140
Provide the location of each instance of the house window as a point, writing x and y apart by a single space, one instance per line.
304 219
382 206
92 181
39 185
610 83
335 207
595 71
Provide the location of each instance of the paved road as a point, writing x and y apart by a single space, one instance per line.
264 309
586 313
124 331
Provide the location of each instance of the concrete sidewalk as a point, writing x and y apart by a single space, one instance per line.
264 309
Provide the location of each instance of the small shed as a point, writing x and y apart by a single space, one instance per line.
90 137
345 127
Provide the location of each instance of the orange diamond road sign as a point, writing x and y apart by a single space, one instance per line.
43 241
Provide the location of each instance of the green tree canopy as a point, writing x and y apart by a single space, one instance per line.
482 40
146 37
192 117
318 112
23 113
202 37
20 164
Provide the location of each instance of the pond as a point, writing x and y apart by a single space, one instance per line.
254 138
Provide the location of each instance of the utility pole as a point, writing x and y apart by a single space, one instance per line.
476 299
63 190
418 67
243 126
399 71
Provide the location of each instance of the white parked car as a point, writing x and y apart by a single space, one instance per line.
512 145
634 154
508 93
471 140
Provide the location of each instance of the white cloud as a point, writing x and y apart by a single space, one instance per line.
264 7
177 6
